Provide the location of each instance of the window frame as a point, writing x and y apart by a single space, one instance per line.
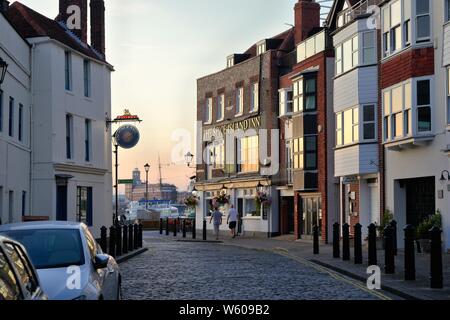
220 106
254 97
69 137
68 81
1 109
20 124
208 111
87 78
242 167
88 140
239 100
11 117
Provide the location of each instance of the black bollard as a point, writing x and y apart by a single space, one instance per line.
410 258
389 257
373 245
167 227
394 236
204 230
130 238
112 242
161 226
336 241
194 229
141 235
119 240
125 240
174 227
136 236
184 228
437 280
316 240
346 242
104 238
358 244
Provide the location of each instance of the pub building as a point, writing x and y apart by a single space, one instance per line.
239 140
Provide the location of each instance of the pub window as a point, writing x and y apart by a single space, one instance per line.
84 205
248 154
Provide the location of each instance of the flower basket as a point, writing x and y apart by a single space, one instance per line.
262 200
221 200
191 202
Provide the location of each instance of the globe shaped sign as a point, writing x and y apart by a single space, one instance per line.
127 136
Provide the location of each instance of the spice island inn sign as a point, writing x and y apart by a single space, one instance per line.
230 128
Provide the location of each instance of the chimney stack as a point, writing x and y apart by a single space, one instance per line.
4 5
98 25
63 16
307 17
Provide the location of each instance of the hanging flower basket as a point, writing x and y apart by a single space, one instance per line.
221 200
262 200
191 202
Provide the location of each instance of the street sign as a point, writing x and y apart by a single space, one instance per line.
127 136
126 181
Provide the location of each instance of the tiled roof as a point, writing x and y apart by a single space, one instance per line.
31 24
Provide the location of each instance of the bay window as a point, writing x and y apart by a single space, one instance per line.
305 94
347 55
248 154
350 130
369 53
220 107
305 153
286 102
423 20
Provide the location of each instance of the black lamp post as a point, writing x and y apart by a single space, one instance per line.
3 68
147 170
189 157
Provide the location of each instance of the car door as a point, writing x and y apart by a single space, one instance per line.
9 283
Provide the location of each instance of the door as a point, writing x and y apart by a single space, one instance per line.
61 203
420 199
240 208
290 215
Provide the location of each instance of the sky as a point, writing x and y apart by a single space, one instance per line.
159 48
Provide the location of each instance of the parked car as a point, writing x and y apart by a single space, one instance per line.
68 260
18 278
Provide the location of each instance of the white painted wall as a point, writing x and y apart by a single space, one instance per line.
14 154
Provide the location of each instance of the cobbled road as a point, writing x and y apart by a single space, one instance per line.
173 270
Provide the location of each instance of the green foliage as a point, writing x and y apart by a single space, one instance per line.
388 217
426 225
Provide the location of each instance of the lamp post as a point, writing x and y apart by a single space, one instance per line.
147 170
189 157
3 68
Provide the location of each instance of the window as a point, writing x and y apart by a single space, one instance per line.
338 59
87 140
11 117
298 95
254 106
347 127
20 122
286 102
369 122
11 206
289 162
424 106
299 155
395 25
261 47
447 11
423 21
1 110
305 153
347 55
230 61
87 77
239 101
84 205
220 107
311 46
68 70
310 93
9 285
339 134
305 94
248 154
216 153
369 53
448 95
24 203
69 129
208 110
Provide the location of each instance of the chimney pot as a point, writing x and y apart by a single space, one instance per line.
63 16
307 18
98 25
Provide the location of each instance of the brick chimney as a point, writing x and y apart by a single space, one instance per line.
307 17
98 25
63 16
4 5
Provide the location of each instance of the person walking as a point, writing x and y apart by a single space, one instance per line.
217 217
232 220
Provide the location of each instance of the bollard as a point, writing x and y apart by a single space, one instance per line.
125 240
204 230
373 245
103 238
130 238
184 228
346 242
136 236
437 280
112 243
141 235
358 244
119 240
178 225
161 226
174 227
394 236
316 240
194 229
389 257
336 241
167 227
410 258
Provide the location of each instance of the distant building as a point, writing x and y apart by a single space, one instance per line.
136 191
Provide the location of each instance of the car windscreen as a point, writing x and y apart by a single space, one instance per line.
51 248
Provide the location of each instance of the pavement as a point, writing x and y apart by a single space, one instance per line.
239 269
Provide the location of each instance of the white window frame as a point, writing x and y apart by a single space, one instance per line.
285 101
209 109
372 47
416 18
254 93
239 101
340 64
221 105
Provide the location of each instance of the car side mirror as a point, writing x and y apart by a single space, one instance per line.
101 261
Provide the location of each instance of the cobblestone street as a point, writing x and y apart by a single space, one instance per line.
208 271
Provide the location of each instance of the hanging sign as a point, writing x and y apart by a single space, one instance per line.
127 117
127 136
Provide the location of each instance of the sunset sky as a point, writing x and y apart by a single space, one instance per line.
159 48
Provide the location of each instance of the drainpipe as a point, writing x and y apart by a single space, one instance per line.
30 200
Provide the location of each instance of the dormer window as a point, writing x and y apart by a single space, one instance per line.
261 47
230 61
344 16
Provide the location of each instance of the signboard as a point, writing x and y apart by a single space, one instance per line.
127 136
127 117
126 181
221 131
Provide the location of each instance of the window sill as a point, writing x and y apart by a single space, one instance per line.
70 93
207 123
253 111
89 99
220 120
239 115
408 142
286 115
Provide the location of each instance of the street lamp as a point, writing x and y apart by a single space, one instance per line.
147 169
3 68
188 158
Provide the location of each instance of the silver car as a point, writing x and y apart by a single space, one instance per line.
68 260
18 278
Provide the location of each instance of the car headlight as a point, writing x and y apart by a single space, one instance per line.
83 297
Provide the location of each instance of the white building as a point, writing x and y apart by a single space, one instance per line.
15 110
71 175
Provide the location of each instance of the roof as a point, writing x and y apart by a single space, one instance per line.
31 24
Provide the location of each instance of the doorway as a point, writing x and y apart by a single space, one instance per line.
420 199
287 215
240 208
61 203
